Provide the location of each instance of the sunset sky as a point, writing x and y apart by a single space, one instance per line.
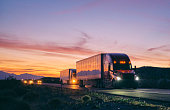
43 37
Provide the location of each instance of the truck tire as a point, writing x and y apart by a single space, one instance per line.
81 84
135 85
99 83
114 84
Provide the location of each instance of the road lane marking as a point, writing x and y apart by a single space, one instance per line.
153 92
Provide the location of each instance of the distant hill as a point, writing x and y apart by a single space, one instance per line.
153 72
4 75
50 80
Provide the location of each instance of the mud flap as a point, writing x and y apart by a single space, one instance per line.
99 83
81 84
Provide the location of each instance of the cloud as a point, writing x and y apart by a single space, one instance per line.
81 8
156 48
136 58
163 48
58 55
151 58
49 74
77 48
16 70
7 60
83 40
47 67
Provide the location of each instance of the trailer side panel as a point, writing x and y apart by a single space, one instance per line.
89 68
65 75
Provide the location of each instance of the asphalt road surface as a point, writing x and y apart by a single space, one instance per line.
155 94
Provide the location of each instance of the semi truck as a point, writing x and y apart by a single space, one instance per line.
106 70
68 76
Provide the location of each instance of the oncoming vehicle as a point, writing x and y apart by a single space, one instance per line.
31 81
107 70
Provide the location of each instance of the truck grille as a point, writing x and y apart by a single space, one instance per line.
128 76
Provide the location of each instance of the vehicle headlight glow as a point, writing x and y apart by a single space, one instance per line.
74 80
118 78
31 82
25 82
137 78
39 82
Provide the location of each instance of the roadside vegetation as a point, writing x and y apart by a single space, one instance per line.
16 96
154 77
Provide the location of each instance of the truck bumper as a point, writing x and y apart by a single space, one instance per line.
127 83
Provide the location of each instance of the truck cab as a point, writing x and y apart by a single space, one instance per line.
120 71
106 70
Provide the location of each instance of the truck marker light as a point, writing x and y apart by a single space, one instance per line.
122 62
114 62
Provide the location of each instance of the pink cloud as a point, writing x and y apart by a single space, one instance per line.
163 48
9 60
21 70
77 48
82 7
151 58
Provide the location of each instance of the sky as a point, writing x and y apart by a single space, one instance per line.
43 37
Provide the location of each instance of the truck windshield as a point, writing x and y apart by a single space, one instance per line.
74 75
122 66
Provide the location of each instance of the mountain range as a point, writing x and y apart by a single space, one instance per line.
4 75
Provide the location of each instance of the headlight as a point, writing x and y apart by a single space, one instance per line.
118 78
137 78
31 82
39 82
74 80
25 82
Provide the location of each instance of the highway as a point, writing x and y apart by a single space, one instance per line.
154 94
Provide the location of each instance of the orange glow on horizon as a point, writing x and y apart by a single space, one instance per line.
53 44
26 62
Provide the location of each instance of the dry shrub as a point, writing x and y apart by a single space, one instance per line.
30 96
9 103
55 103
86 98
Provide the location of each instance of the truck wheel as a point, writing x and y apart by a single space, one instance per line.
81 83
135 86
114 84
99 83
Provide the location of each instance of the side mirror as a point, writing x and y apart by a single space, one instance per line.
135 68
109 67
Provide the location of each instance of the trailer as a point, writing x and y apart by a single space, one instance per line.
68 76
107 70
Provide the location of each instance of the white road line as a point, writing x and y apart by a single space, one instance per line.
153 92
